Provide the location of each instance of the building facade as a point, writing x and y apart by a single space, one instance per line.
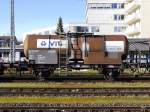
82 27
108 15
129 17
137 18
5 50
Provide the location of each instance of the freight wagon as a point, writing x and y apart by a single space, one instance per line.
45 53
138 59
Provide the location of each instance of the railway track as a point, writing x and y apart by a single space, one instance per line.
74 91
30 78
72 108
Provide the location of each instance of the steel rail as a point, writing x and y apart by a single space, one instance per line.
74 91
81 78
70 107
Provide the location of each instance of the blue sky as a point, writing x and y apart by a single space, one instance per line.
34 14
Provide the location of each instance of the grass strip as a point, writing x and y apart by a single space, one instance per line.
76 85
84 100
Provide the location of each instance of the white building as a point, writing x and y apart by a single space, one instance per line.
108 15
137 18
129 17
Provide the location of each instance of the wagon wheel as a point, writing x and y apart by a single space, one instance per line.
110 74
51 71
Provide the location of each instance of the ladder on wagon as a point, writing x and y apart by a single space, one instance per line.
77 49
63 57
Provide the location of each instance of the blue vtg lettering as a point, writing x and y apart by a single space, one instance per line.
55 43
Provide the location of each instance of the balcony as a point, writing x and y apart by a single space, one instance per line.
132 31
133 5
132 18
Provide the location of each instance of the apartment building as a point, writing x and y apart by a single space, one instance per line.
137 18
129 17
108 15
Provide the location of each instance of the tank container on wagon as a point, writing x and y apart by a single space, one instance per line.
45 47
43 51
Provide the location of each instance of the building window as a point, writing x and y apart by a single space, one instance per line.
117 5
119 28
122 17
106 5
118 17
115 17
114 5
94 29
100 6
82 29
122 5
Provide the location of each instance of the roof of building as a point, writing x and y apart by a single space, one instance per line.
5 37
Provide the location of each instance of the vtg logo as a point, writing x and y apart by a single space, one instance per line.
43 43
51 43
55 43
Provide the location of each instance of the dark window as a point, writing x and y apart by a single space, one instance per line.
122 5
118 17
82 29
115 17
114 5
122 17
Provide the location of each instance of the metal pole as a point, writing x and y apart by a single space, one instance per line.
12 40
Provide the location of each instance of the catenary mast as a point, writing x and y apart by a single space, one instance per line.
12 41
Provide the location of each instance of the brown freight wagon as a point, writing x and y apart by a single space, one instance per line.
99 51
45 53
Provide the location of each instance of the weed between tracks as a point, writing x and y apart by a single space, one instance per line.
73 100
129 100
76 85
